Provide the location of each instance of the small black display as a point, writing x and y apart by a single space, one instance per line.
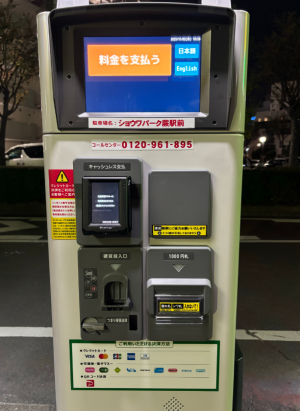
105 202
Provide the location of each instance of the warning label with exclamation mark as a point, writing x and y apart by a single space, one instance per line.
62 203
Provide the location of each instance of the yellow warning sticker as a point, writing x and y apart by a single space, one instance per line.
183 307
63 219
175 230
62 178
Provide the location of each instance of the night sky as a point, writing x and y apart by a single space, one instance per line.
262 12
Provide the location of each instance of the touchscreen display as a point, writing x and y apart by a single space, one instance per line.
105 202
142 74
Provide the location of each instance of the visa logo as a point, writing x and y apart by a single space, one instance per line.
89 356
158 370
131 356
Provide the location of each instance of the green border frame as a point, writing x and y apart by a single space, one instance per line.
142 389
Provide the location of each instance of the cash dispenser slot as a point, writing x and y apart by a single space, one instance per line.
179 296
177 308
179 300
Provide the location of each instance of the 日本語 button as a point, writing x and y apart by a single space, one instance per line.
189 51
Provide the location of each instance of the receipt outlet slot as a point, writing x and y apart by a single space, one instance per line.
110 293
179 294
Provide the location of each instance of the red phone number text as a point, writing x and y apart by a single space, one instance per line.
142 145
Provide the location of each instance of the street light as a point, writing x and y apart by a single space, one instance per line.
262 140
258 144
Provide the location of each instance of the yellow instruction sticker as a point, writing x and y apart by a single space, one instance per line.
63 219
183 307
175 230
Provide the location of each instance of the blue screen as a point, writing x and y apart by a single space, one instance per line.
164 76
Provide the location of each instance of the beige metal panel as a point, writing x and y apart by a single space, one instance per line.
237 111
47 102
239 78
222 156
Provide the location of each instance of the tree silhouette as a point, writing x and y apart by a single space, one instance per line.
18 63
279 64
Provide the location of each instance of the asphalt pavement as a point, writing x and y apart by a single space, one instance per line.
267 318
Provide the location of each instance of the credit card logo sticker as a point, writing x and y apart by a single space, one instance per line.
131 356
145 356
117 356
158 370
103 356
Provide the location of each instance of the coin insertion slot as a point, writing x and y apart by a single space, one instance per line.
115 293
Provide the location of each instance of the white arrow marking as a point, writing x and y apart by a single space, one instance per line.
15 226
178 267
115 267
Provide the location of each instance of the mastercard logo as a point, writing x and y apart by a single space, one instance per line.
103 356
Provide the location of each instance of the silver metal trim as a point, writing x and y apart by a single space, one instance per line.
143 115
204 282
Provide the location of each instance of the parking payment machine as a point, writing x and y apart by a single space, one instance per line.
143 118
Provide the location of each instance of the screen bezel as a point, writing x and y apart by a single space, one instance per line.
125 114
70 26
114 185
87 205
